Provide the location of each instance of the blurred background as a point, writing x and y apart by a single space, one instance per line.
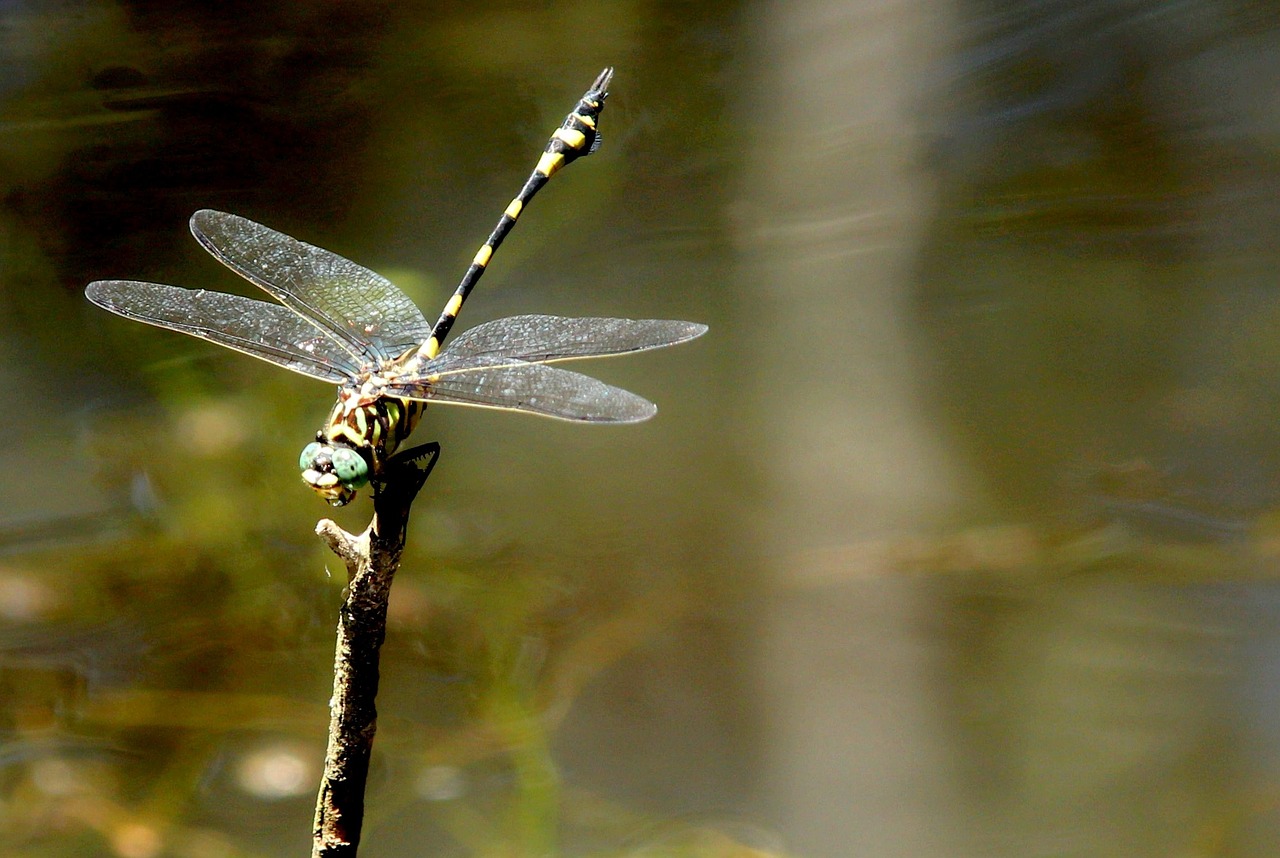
956 536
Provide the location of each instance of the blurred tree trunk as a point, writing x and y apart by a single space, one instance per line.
855 762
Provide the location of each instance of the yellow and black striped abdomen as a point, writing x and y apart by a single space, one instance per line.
576 136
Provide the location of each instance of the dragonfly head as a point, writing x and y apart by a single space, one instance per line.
334 471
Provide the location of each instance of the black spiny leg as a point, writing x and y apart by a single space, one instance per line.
403 477
408 465
414 455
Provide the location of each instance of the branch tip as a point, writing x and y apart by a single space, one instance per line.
341 543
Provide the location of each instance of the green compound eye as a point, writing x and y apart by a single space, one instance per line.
350 467
307 460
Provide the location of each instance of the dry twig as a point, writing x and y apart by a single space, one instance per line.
371 558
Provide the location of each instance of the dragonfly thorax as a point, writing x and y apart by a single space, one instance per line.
366 389
363 431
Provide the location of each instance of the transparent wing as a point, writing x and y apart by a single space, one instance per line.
363 310
495 382
265 331
543 339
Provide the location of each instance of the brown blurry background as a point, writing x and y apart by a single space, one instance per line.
955 536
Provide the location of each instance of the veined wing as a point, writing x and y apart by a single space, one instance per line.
544 339
496 382
258 328
363 310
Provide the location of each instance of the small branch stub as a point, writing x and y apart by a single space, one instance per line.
351 550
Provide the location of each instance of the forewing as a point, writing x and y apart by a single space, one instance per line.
359 308
492 382
258 328
543 339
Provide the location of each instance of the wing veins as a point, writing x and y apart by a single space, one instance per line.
259 329
551 339
360 309
533 388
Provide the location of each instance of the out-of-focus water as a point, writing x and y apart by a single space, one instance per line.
956 535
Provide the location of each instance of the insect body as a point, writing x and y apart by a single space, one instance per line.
342 323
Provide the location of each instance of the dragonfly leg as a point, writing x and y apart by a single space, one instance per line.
404 474
411 460
414 456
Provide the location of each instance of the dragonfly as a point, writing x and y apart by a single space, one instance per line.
339 322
